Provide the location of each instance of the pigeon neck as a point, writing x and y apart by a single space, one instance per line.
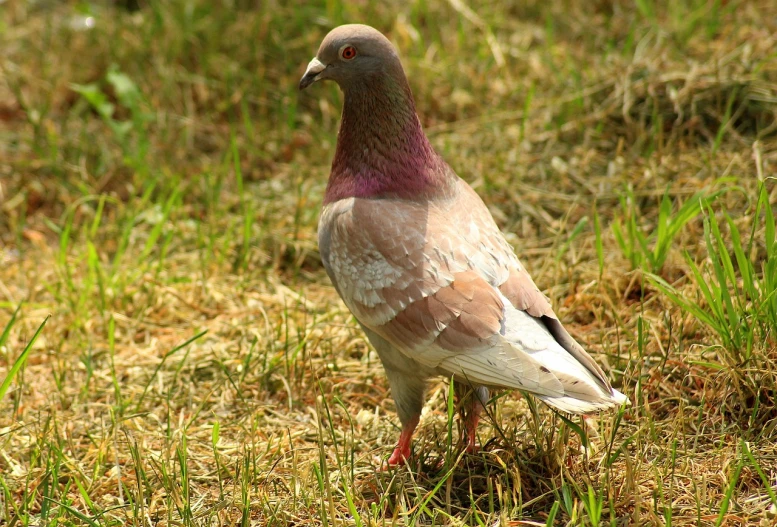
382 150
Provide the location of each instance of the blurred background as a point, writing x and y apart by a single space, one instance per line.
173 352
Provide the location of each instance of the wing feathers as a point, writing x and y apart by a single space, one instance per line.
458 317
563 337
521 291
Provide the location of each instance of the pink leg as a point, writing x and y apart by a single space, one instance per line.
471 425
402 451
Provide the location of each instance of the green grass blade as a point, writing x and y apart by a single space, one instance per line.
743 263
757 467
78 514
598 242
724 273
21 359
552 514
726 502
769 224
724 123
7 330
678 298
162 362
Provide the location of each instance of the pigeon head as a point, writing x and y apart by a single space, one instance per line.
352 55
382 150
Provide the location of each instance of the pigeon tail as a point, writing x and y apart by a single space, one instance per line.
572 405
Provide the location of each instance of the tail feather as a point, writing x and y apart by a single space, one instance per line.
573 405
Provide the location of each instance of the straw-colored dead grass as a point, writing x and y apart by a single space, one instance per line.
198 368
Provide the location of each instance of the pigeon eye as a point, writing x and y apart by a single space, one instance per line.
348 52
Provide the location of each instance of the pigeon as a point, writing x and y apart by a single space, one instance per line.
417 258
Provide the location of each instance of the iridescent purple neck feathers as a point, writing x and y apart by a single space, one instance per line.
382 150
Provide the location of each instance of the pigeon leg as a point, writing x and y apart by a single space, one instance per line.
471 424
402 451
472 400
408 391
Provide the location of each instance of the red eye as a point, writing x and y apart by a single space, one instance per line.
348 52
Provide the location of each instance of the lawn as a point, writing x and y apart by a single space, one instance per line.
173 353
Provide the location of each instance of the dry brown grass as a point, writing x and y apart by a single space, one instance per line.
197 219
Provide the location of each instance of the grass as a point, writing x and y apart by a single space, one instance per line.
173 352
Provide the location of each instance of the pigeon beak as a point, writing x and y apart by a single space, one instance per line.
312 74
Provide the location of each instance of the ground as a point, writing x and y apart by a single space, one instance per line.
160 181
